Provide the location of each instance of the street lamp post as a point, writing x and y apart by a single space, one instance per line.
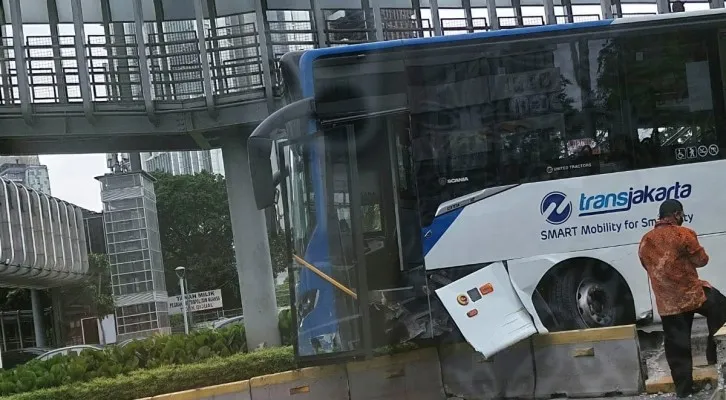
180 271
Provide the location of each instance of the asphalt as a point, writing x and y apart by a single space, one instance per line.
703 395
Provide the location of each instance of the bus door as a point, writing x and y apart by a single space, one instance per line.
365 165
338 234
326 292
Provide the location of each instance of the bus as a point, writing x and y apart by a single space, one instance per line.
419 176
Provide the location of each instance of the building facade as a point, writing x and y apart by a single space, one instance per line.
27 171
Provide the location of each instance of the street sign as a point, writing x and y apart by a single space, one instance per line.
198 301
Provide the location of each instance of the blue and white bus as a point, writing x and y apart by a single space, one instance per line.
537 154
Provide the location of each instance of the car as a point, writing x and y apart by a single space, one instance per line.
14 358
239 319
228 321
126 342
77 349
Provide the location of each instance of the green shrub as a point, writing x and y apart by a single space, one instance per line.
284 324
153 352
171 378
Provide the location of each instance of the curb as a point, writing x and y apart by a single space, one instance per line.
205 392
701 375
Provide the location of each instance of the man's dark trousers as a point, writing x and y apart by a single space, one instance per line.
677 332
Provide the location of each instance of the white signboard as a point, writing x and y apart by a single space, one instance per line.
198 301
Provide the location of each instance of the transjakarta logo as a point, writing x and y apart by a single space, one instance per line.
605 203
557 209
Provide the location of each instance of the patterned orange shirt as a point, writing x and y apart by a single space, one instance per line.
671 254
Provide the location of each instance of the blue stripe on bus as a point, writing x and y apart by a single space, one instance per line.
436 230
307 59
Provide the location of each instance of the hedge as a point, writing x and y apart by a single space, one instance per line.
150 353
171 378
158 365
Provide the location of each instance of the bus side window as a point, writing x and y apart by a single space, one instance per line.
673 87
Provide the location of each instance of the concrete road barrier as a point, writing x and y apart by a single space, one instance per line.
414 375
328 382
592 362
467 374
586 363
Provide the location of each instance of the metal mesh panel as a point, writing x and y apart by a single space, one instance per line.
42 74
645 14
289 35
458 25
562 19
347 26
235 60
176 69
401 23
511 22
114 71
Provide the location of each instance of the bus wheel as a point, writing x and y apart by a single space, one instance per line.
590 297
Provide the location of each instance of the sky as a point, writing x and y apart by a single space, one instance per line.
72 178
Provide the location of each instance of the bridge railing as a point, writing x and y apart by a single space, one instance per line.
232 53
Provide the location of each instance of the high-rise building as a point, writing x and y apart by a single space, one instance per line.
26 170
183 162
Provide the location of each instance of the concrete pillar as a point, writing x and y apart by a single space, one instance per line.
20 62
252 250
606 7
492 15
550 17
466 5
517 6
435 18
664 6
60 76
37 318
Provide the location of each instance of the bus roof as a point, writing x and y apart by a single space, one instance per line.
309 56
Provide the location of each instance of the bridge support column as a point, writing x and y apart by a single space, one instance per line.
251 248
38 323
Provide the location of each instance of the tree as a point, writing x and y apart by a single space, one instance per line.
95 291
196 233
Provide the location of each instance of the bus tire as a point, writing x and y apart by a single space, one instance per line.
590 297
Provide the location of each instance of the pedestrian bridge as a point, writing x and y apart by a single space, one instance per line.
106 75
42 240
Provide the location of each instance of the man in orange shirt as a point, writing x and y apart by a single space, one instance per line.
671 254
